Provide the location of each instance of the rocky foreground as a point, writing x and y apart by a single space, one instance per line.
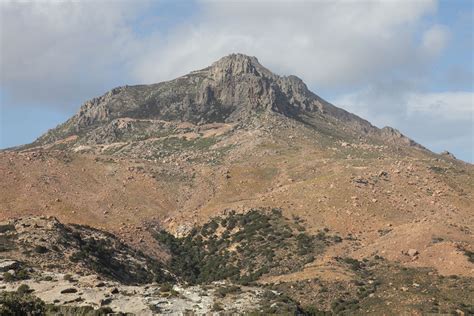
79 270
249 263
91 295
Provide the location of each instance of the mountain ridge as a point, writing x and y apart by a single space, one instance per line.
234 89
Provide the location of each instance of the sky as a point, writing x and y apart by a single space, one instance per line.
403 63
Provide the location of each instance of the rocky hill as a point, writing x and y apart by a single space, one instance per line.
234 90
362 214
45 243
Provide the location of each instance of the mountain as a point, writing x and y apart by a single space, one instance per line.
236 89
233 180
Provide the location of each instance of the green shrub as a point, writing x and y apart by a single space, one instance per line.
41 249
342 306
8 277
224 291
67 277
23 289
469 255
17 303
6 228
314 311
263 239
217 307
78 310
22 274
354 263
437 169
166 287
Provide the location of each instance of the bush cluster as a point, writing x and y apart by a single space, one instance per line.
20 303
240 248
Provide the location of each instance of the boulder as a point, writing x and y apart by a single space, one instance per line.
383 174
69 290
105 301
114 291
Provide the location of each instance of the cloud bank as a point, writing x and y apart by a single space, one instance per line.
74 47
54 53
327 43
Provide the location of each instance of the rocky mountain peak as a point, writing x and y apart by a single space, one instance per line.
236 65
235 89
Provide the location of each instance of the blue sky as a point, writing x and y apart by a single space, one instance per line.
407 64
458 15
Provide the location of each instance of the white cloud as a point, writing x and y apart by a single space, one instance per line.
55 52
378 104
327 43
64 51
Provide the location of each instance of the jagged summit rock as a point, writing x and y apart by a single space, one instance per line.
235 89
238 64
